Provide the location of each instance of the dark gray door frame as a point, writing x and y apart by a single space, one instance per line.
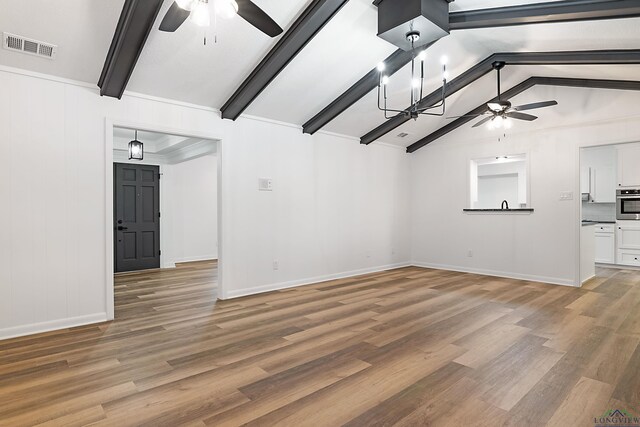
592 57
559 11
519 88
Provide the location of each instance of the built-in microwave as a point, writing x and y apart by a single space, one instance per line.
628 204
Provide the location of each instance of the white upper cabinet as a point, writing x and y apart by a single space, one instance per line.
585 180
604 185
598 174
629 165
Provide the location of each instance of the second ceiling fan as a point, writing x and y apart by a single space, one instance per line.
200 13
500 110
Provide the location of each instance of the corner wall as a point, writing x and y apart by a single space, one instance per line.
337 208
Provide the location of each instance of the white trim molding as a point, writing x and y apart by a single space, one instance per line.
36 328
494 273
311 280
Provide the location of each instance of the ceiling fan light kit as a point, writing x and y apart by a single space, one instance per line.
500 112
199 12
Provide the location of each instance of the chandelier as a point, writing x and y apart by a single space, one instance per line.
417 83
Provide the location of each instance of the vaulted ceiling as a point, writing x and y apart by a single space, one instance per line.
179 66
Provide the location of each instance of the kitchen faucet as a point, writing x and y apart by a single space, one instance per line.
502 206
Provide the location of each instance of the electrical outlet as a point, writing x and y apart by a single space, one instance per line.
275 265
470 253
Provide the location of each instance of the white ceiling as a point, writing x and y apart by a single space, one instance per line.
178 65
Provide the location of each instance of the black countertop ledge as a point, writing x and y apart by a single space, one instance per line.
499 210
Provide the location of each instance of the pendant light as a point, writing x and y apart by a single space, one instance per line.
417 82
136 149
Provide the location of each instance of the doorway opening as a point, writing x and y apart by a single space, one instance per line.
165 209
609 209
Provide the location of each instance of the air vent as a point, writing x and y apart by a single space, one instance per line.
29 46
402 135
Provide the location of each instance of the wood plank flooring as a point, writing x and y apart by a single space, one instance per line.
406 347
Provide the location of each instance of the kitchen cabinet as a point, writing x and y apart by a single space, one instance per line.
628 243
585 180
605 244
604 185
628 235
628 161
598 174
629 257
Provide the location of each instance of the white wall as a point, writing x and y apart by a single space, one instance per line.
338 208
190 201
541 246
494 189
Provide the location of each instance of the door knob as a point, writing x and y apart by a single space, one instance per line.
120 228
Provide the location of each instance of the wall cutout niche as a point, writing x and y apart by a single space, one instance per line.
499 183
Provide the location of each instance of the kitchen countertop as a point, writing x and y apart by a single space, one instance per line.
587 223
592 222
499 210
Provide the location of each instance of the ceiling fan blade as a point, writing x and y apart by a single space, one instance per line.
521 116
483 121
467 115
174 17
535 105
258 18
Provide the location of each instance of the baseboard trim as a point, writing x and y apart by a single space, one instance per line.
311 280
52 325
617 266
195 258
504 274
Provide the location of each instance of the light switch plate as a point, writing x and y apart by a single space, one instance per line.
566 195
265 184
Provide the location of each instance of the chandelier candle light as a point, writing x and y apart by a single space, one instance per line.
417 84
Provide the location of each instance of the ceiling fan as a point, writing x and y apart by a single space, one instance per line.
200 13
499 111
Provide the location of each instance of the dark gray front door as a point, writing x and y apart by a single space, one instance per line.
137 216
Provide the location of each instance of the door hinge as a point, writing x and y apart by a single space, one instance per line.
158 214
159 252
